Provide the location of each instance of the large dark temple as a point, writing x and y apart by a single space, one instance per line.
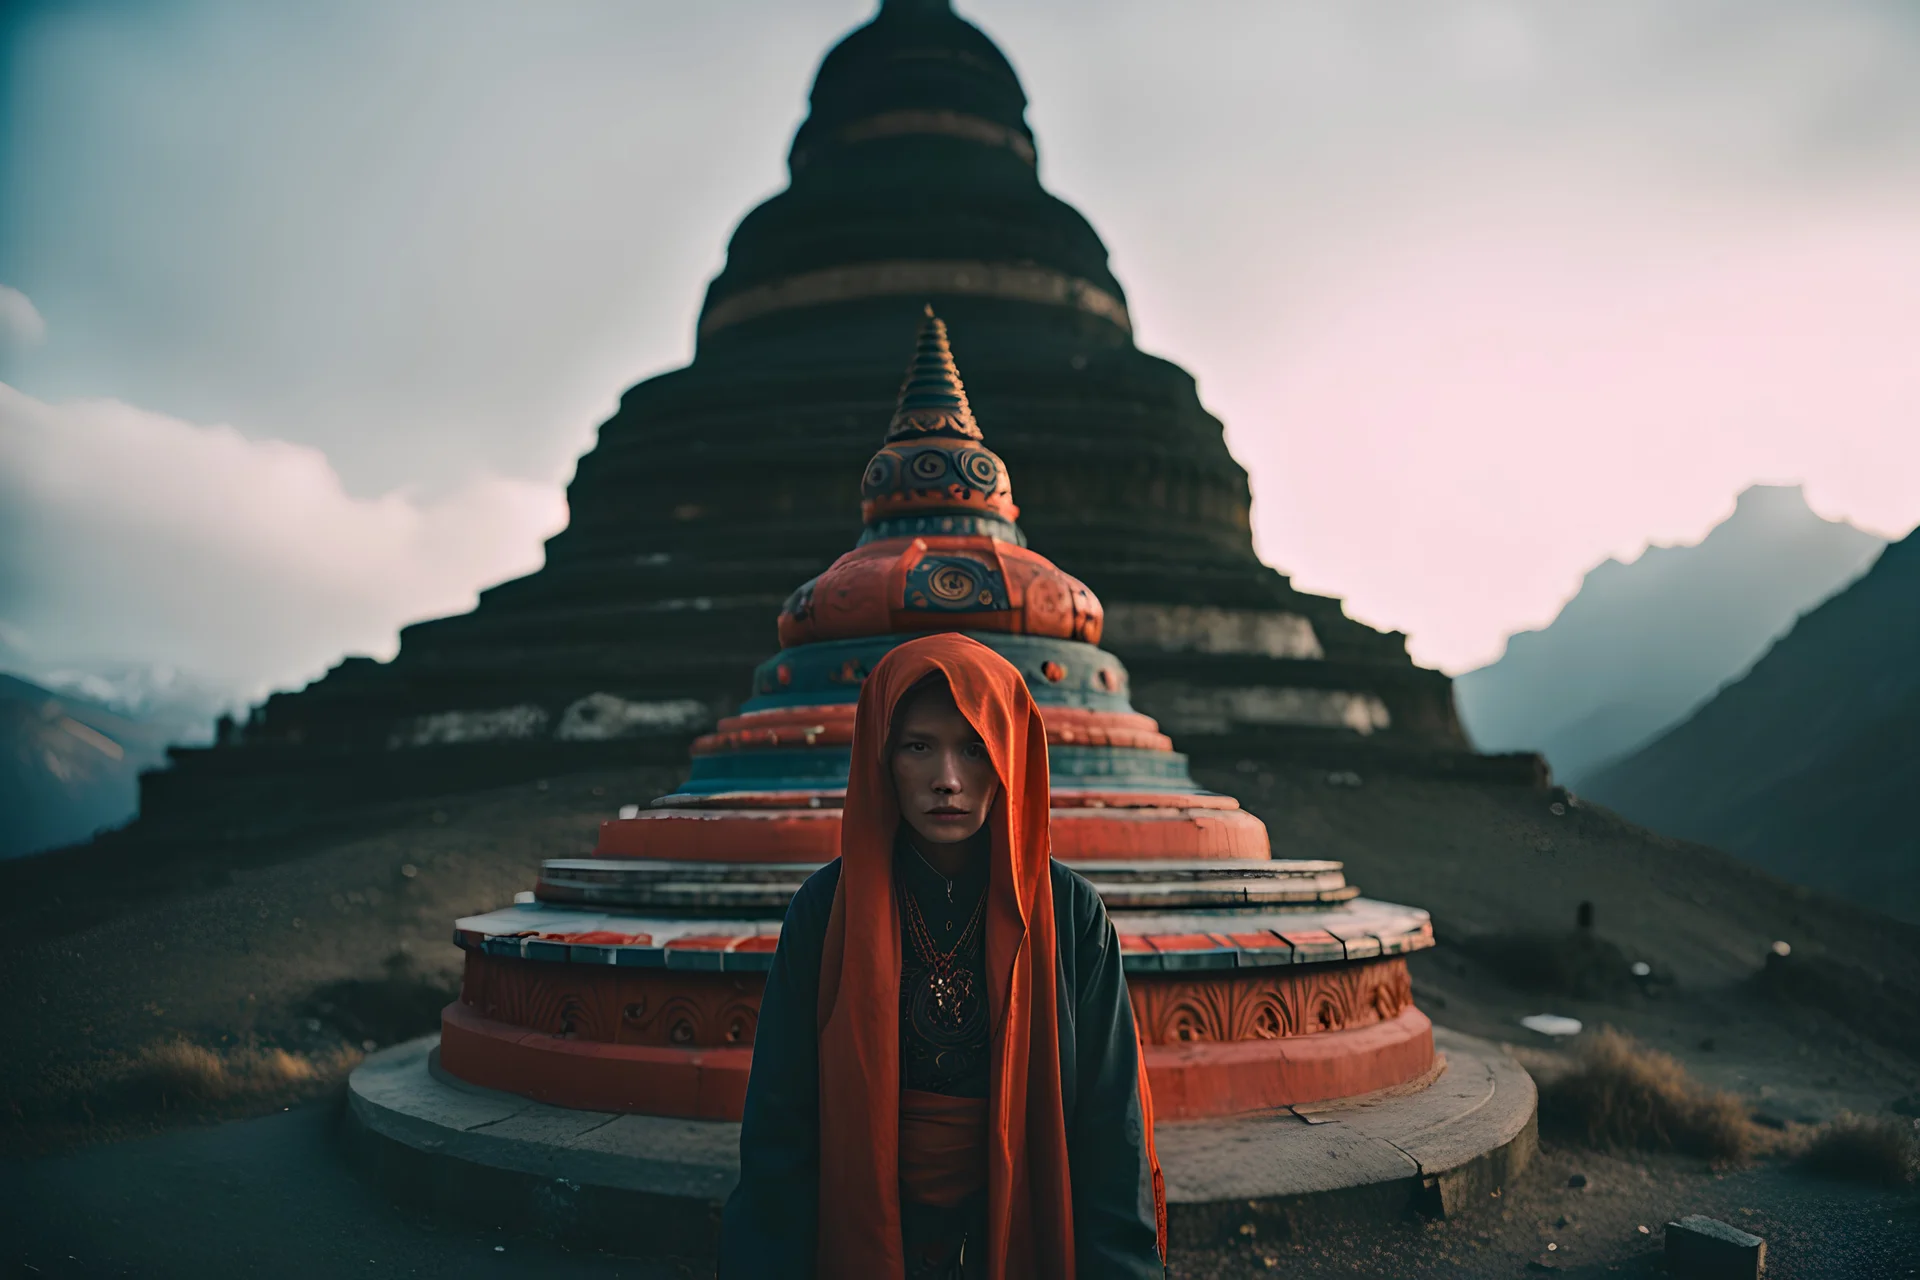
716 487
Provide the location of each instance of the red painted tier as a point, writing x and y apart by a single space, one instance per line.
679 1042
941 584
1173 828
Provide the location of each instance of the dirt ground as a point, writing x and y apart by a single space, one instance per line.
271 1195
1493 863
1813 1228
322 946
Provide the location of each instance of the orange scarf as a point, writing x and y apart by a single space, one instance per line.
1029 1196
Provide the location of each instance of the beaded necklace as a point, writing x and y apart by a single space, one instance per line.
945 994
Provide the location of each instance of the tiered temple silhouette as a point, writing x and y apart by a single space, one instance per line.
718 486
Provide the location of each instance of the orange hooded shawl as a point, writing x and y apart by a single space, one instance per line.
1029 1194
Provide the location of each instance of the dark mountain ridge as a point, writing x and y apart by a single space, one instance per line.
1644 643
1808 765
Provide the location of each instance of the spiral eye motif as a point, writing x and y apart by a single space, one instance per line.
883 473
954 584
928 467
980 469
951 584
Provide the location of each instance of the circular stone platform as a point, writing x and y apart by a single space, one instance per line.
633 985
655 1184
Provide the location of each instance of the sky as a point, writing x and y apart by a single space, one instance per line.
308 310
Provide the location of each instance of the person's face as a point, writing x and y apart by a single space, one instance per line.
941 770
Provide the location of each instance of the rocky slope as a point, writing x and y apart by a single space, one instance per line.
1808 765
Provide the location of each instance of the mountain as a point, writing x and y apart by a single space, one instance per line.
1809 765
1642 644
70 758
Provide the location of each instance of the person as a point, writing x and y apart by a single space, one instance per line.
946 1080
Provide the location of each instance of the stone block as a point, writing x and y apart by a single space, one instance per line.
1702 1248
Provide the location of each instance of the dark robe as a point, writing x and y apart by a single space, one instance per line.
769 1227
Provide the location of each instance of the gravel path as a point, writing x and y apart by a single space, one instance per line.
273 1196
268 1197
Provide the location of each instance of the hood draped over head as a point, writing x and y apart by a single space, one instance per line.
1029 1196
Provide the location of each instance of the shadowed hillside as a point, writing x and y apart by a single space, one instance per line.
69 766
1808 766
1643 644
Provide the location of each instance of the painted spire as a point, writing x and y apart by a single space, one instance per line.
933 402
933 473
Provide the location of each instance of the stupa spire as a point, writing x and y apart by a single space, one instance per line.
933 473
933 400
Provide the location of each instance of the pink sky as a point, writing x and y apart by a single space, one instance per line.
1450 428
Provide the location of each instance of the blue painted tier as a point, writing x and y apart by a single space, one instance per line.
945 525
1059 673
793 735
825 769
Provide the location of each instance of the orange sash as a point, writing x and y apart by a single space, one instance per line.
943 1147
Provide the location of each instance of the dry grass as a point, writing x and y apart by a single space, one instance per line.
165 1083
1621 1095
1864 1149
179 1074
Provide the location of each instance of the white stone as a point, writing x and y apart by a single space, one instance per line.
1185 628
1551 1024
1221 710
500 724
599 717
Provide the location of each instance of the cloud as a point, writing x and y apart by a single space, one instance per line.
130 536
20 322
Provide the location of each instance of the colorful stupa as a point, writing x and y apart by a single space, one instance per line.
630 982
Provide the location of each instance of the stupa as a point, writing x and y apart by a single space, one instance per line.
629 981
717 486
